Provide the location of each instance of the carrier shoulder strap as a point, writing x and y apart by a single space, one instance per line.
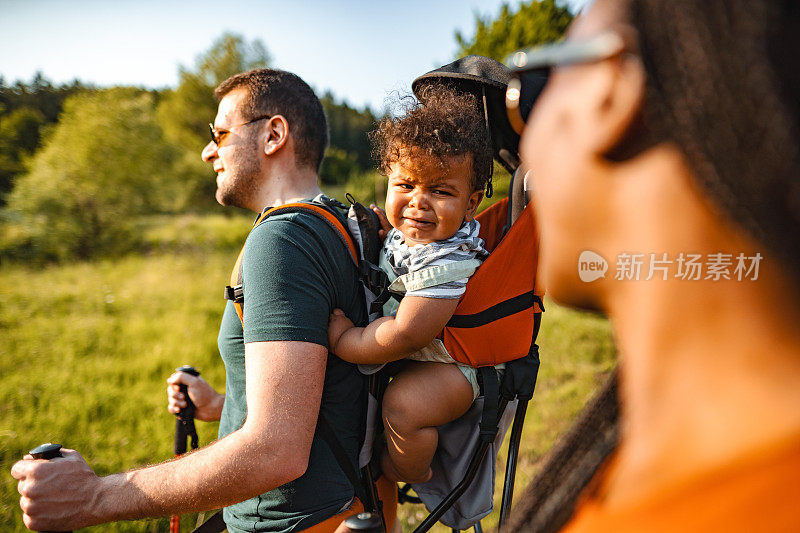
338 451
235 291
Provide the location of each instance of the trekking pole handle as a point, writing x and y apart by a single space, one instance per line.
48 451
185 417
189 409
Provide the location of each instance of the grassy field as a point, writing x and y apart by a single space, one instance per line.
85 349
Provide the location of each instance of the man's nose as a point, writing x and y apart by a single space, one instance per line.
209 152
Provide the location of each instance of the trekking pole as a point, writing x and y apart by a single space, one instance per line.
48 451
184 428
511 462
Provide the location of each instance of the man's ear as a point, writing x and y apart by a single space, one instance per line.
473 203
277 134
614 101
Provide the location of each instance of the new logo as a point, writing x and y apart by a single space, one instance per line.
591 266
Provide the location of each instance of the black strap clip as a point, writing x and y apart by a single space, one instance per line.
234 294
374 278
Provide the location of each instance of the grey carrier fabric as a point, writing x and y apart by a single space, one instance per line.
458 441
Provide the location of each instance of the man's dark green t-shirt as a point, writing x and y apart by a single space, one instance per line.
295 271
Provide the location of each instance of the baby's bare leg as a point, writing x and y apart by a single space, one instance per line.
421 397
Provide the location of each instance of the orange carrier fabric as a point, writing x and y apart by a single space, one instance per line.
387 493
757 493
479 334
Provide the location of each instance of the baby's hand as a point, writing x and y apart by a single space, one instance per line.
385 226
338 323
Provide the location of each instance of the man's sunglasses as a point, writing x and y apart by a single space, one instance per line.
531 69
218 136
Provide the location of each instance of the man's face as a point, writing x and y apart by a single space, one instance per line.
237 160
427 199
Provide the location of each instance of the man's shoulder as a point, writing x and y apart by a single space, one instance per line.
300 220
283 234
290 226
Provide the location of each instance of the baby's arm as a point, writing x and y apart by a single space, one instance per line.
417 322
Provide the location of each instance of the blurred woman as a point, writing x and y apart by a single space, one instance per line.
666 146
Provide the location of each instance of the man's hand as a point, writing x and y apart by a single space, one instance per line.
207 401
338 323
385 226
56 493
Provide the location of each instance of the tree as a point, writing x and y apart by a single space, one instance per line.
19 138
103 164
24 109
338 166
39 94
186 111
535 22
349 151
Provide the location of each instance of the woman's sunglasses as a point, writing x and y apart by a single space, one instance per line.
531 69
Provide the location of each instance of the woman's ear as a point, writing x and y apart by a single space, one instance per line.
472 204
616 102
277 134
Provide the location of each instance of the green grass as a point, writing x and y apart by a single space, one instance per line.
85 349
85 352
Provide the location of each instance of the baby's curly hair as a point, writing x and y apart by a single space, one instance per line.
443 122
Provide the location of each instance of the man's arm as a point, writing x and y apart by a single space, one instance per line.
284 389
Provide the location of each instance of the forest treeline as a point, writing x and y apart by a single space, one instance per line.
80 164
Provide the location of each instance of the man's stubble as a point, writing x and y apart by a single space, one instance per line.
241 174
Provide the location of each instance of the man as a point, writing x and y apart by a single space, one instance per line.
269 467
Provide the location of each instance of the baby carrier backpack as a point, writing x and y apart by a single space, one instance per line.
495 321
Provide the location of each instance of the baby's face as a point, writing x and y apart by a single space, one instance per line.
429 199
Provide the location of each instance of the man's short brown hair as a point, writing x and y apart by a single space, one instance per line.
277 92
443 123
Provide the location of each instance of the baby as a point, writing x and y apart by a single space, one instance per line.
437 157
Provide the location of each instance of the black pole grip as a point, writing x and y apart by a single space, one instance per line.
48 451
179 446
184 424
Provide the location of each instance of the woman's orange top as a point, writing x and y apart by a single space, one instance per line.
760 492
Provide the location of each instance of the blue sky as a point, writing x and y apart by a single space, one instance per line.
358 49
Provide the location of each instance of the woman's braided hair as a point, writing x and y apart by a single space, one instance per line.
724 85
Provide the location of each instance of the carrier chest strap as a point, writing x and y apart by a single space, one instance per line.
235 291
503 309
